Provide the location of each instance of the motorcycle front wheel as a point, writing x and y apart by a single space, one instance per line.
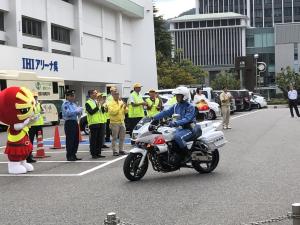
131 167
207 167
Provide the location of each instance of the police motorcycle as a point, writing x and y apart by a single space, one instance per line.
157 145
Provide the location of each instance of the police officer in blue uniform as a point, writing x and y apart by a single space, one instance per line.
70 112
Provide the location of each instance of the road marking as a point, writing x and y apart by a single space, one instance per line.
60 152
38 175
101 166
235 117
61 161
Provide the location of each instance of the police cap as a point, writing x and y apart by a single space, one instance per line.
70 92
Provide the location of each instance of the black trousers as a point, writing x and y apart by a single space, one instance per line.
132 122
107 132
293 104
96 138
33 132
72 138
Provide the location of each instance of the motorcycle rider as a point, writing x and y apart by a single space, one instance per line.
186 123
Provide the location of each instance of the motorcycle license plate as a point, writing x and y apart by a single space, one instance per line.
203 158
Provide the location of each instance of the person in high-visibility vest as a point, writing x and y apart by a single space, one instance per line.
37 126
136 107
102 100
154 104
95 122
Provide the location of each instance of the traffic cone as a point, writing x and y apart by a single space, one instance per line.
40 152
79 134
57 144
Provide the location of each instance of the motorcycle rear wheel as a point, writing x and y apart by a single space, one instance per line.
207 167
131 167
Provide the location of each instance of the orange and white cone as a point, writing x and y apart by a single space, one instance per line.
40 152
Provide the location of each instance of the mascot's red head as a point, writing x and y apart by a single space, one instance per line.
16 105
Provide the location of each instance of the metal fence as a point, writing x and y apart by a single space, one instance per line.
291 218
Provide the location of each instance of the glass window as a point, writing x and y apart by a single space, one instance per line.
209 23
202 23
2 42
31 27
250 41
188 24
237 22
223 22
181 25
176 26
60 34
258 13
195 24
33 47
216 23
60 52
287 11
268 1
231 22
297 11
268 12
2 21
278 12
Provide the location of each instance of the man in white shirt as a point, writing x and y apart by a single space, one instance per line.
292 95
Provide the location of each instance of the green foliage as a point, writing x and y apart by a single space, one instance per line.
163 40
227 79
286 78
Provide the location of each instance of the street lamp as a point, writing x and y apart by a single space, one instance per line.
256 57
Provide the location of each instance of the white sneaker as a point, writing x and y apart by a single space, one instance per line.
28 166
228 127
16 168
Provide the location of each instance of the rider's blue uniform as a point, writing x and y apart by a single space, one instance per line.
187 117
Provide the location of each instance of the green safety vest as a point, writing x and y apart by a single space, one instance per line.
172 101
96 118
153 111
136 111
40 121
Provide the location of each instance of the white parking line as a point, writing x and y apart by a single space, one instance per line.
247 114
101 166
60 161
39 175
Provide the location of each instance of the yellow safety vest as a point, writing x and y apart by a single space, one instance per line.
40 121
153 111
172 101
136 111
96 117
18 137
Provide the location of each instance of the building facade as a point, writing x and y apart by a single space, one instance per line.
262 13
212 41
88 43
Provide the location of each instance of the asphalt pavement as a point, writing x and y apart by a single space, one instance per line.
257 178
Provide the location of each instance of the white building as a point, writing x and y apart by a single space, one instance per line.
88 43
212 41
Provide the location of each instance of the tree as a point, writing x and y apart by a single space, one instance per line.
171 74
163 39
287 77
225 79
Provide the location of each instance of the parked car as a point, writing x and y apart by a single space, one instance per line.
232 102
258 101
242 99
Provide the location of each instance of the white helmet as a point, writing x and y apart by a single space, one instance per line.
182 91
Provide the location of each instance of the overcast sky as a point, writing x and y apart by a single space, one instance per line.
172 8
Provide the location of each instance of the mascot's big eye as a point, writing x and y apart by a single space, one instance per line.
24 111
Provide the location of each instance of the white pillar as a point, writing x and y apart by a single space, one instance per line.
14 24
197 5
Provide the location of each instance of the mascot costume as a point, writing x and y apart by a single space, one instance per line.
17 107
